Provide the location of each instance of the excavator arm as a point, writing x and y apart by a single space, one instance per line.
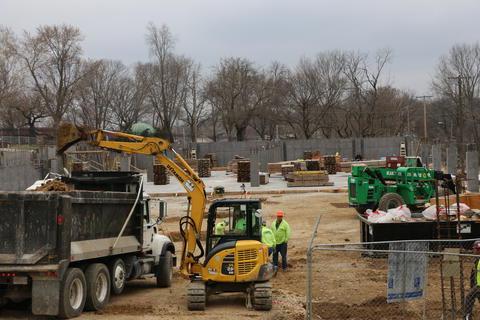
190 225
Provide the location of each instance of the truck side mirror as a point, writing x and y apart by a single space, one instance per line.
162 209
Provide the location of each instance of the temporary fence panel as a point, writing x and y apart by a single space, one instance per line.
392 280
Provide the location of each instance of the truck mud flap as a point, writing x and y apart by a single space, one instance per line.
45 297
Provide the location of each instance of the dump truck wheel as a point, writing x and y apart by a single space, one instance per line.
73 293
389 201
98 286
118 276
196 296
262 296
165 271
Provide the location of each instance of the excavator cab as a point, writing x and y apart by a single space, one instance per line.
232 220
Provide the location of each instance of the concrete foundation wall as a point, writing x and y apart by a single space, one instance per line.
369 148
19 169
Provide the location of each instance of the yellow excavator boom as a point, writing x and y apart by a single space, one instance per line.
69 135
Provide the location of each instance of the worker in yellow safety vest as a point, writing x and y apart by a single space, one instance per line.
474 283
220 228
268 238
282 232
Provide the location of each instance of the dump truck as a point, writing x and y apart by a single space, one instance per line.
68 251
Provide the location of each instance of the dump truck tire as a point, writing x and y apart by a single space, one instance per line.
196 296
98 286
73 294
165 271
262 296
118 276
389 201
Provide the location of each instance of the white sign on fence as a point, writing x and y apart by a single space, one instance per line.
406 272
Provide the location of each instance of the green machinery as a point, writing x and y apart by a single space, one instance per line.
386 188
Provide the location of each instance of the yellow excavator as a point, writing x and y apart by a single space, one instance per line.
234 259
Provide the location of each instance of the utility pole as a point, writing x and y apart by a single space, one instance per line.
424 98
459 121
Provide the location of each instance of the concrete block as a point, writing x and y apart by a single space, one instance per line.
437 157
452 159
254 170
472 169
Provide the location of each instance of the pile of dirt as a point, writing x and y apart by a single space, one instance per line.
53 185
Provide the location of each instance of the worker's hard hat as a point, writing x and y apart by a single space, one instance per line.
279 213
476 246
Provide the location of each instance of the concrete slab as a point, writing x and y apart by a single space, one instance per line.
229 182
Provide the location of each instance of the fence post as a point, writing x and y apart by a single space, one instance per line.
308 303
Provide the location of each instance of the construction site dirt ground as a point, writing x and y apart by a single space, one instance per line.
142 300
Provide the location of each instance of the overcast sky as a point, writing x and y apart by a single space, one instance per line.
417 31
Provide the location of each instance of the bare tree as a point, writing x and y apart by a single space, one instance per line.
194 106
98 90
53 58
10 74
168 78
237 89
266 115
316 89
364 84
128 99
11 77
461 67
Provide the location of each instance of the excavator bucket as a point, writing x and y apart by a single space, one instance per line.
68 135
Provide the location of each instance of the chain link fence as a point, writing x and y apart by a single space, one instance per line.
424 279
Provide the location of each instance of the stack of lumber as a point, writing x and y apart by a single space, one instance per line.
330 163
232 165
312 165
160 175
213 159
286 169
308 179
346 166
316 155
300 166
204 168
338 167
264 178
243 171
307 155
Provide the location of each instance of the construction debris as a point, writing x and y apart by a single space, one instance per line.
308 179
53 185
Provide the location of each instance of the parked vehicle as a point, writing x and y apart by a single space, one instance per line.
69 251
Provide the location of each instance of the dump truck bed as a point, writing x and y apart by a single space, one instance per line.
44 228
